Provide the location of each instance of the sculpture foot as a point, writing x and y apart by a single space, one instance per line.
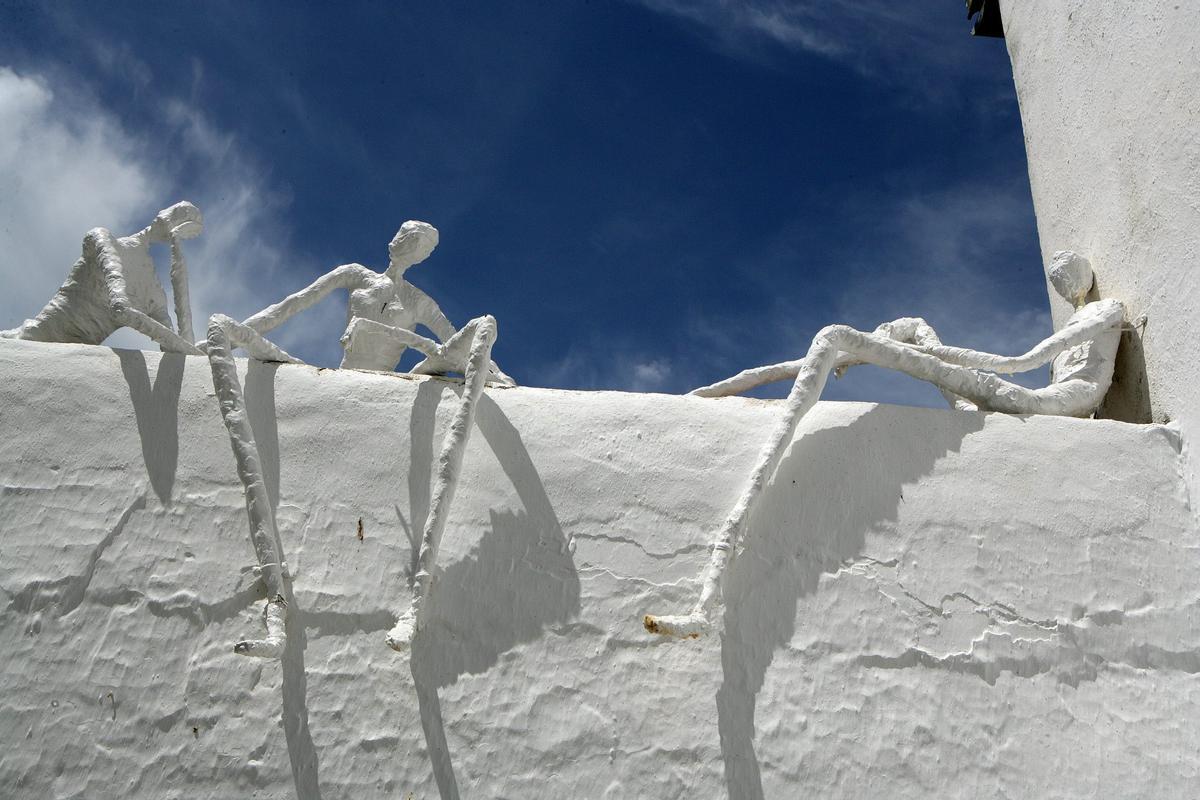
275 616
400 637
681 626
259 648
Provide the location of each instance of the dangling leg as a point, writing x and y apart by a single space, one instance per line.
811 373
223 335
180 290
480 334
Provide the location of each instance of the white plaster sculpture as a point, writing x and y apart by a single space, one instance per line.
384 298
369 343
1083 353
113 285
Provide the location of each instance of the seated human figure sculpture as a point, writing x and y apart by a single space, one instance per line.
369 344
380 304
113 285
1083 353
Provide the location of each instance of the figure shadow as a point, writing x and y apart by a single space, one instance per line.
816 514
259 398
156 410
519 580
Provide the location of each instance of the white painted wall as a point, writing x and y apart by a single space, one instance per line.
938 604
1110 103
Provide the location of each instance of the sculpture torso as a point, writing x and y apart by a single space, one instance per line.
1093 360
391 303
81 310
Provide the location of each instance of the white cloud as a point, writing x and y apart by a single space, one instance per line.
650 376
70 165
65 169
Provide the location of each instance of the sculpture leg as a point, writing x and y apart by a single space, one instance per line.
351 342
481 333
167 339
264 535
812 372
906 330
239 334
180 291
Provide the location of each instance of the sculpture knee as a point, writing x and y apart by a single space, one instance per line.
119 306
838 334
488 323
219 326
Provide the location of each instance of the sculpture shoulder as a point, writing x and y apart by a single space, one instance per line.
1107 310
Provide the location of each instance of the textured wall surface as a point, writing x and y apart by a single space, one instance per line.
936 604
1110 104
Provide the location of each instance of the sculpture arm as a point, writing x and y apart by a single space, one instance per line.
429 313
1073 334
347 276
180 291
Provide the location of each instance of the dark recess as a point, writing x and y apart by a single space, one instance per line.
988 22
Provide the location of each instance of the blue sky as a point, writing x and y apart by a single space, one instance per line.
647 195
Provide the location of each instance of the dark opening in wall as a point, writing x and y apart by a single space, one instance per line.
988 22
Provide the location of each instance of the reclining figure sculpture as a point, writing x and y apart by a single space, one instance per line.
113 285
1083 353
384 309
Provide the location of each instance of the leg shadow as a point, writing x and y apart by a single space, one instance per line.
834 497
259 397
519 580
156 410
260 409
301 752
421 423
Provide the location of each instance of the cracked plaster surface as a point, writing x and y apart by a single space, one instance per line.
937 604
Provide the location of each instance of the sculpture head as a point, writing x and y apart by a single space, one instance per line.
1071 276
182 221
412 244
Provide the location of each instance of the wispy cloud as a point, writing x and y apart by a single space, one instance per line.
922 46
799 25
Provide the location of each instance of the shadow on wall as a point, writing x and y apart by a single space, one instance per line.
156 409
839 487
1128 399
518 581
259 396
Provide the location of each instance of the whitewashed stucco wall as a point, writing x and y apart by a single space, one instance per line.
938 604
1110 102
